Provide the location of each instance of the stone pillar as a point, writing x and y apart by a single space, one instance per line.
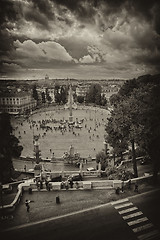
37 151
99 169
105 147
80 169
71 151
99 166
63 170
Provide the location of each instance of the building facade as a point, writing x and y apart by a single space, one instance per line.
17 102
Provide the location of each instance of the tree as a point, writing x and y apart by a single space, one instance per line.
48 97
80 99
57 94
136 114
102 158
93 95
103 100
63 94
8 148
35 93
116 139
43 97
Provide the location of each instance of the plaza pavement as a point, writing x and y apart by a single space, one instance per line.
94 118
43 204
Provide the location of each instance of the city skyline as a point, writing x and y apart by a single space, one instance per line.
79 39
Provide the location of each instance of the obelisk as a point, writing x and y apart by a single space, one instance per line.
70 105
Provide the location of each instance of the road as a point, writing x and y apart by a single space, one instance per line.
133 218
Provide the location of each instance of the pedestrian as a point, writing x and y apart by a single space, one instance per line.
76 185
117 190
27 205
129 184
122 189
62 185
49 187
41 184
46 183
71 183
136 188
57 199
66 185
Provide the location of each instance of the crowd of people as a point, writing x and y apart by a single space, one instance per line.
44 124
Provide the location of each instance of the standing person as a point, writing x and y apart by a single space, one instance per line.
122 189
27 204
136 187
129 184
76 185
47 184
66 185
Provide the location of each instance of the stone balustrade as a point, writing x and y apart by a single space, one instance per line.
83 185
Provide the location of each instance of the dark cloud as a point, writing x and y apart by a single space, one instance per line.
38 18
84 10
9 12
45 7
151 60
6 42
157 18
68 21
127 27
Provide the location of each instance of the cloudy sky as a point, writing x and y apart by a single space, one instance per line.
84 39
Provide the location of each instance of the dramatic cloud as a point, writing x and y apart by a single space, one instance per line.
86 59
81 38
31 55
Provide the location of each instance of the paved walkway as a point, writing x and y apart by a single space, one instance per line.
43 204
125 208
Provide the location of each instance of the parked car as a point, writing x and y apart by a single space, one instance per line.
91 169
75 177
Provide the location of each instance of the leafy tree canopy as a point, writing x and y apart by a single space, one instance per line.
35 93
8 148
103 159
135 117
94 94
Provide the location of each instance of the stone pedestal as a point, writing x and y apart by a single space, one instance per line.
117 183
87 185
71 151
33 186
70 119
55 185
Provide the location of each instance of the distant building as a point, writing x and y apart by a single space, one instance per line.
50 92
16 102
81 90
46 77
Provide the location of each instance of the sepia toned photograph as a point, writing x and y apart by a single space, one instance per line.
80 119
